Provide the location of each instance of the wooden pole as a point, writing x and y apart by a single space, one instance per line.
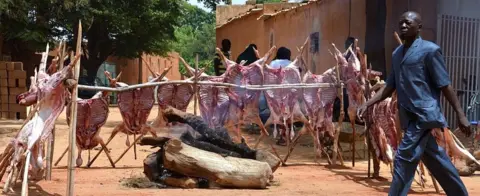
195 79
339 123
217 84
367 120
73 117
25 173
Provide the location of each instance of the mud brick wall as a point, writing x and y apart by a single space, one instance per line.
12 83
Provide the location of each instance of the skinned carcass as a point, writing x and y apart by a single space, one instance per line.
135 106
453 147
284 104
50 91
319 108
245 101
354 72
214 101
178 96
384 133
91 116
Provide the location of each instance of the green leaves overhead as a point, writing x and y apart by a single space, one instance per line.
131 26
196 35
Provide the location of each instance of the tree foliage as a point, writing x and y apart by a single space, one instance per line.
126 28
196 36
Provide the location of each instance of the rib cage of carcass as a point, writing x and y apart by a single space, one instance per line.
319 105
214 101
383 131
354 72
92 114
283 103
174 95
50 92
135 106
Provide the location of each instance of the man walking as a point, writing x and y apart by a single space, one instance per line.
419 75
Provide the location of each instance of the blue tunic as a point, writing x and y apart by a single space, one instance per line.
418 77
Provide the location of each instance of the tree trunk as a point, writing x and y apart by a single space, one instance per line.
376 11
97 50
225 171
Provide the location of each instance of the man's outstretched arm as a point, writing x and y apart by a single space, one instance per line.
382 94
441 79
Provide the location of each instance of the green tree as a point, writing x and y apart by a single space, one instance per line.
196 36
212 4
126 28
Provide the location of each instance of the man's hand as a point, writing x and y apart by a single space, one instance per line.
464 125
361 110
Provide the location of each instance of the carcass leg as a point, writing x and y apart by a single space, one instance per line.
104 146
79 157
114 132
126 150
287 132
352 115
134 146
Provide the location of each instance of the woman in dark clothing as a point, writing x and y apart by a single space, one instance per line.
248 55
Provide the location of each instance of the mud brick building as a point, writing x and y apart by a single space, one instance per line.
12 83
452 24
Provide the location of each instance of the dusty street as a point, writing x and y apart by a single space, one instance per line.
302 177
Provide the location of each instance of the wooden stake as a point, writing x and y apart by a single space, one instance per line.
367 122
340 122
195 79
25 174
73 117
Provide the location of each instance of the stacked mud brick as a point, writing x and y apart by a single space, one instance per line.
12 83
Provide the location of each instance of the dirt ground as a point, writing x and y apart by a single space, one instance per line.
301 177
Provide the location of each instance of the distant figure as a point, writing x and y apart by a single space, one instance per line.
248 55
282 59
217 63
349 42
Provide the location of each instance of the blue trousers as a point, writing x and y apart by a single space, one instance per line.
419 145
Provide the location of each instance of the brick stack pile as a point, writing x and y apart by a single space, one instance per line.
12 83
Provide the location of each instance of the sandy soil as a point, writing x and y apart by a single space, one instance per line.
301 177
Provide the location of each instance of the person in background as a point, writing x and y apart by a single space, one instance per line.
282 59
349 42
217 63
248 55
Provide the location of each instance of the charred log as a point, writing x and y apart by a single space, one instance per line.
217 138
190 140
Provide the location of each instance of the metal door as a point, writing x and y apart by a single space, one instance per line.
460 42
